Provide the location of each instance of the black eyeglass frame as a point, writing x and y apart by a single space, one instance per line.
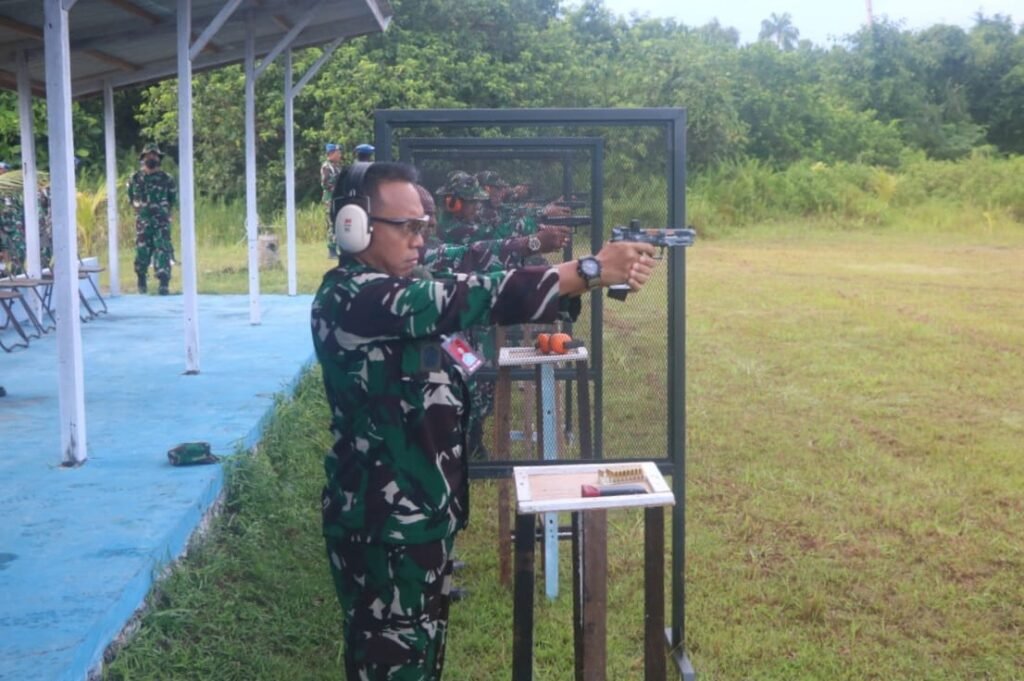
423 223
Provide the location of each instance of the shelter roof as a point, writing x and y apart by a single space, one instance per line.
131 42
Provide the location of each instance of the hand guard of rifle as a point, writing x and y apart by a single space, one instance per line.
662 238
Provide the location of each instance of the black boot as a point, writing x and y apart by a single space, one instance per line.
142 282
163 285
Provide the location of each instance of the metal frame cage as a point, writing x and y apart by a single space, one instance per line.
660 136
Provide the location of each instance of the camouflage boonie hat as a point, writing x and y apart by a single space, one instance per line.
151 148
463 186
489 178
191 454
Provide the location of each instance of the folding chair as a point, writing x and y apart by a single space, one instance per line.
90 313
7 299
19 284
84 272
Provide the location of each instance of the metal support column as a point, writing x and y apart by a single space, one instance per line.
290 93
110 149
186 192
289 171
251 216
30 189
71 389
546 423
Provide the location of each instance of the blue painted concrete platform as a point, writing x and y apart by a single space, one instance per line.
79 547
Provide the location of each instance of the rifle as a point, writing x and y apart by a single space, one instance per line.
662 238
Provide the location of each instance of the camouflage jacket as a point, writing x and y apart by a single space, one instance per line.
152 194
509 220
479 256
453 230
329 173
397 471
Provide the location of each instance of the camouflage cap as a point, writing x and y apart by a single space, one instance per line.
463 186
489 178
151 148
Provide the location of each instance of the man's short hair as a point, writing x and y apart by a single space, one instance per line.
376 175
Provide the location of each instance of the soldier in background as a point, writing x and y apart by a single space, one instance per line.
364 153
329 171
153 193
459 219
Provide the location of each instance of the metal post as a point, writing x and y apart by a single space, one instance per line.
289 170
187 189
677 380
71 388
113 263
251 217
550 453
28 172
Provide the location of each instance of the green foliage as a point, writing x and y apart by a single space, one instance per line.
884 92
853 194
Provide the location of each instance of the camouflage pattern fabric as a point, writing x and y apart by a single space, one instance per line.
153 195
395 600
12 232
329 173
45 227
397 473
479 256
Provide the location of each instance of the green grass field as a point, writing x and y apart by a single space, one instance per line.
855 465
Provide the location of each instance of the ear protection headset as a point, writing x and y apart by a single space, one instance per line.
351 206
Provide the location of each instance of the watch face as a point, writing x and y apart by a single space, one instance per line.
534 243
590 267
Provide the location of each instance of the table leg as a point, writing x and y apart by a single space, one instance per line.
522 607
654 594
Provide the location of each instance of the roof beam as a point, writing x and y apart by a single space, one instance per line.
122 64
21 28
140 12
312 71
9 81
288 38
215 25
282 21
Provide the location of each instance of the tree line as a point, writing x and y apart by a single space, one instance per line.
882 94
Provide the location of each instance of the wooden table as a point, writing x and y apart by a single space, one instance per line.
553 489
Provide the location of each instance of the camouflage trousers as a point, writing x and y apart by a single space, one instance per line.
153 243
394 598
330 228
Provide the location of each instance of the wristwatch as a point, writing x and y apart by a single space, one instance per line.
533 243
589 269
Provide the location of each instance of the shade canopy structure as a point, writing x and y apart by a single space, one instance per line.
63 49
132 42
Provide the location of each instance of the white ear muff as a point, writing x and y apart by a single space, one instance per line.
352 229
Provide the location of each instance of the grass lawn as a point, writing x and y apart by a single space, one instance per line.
854 493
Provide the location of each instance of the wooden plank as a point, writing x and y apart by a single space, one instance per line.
654 594
594 607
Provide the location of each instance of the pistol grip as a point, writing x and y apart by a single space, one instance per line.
618 291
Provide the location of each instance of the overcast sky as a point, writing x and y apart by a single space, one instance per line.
821 21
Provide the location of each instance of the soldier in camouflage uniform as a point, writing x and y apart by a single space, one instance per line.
397 485
153 193
329 171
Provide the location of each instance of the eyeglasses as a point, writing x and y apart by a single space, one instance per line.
411 226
